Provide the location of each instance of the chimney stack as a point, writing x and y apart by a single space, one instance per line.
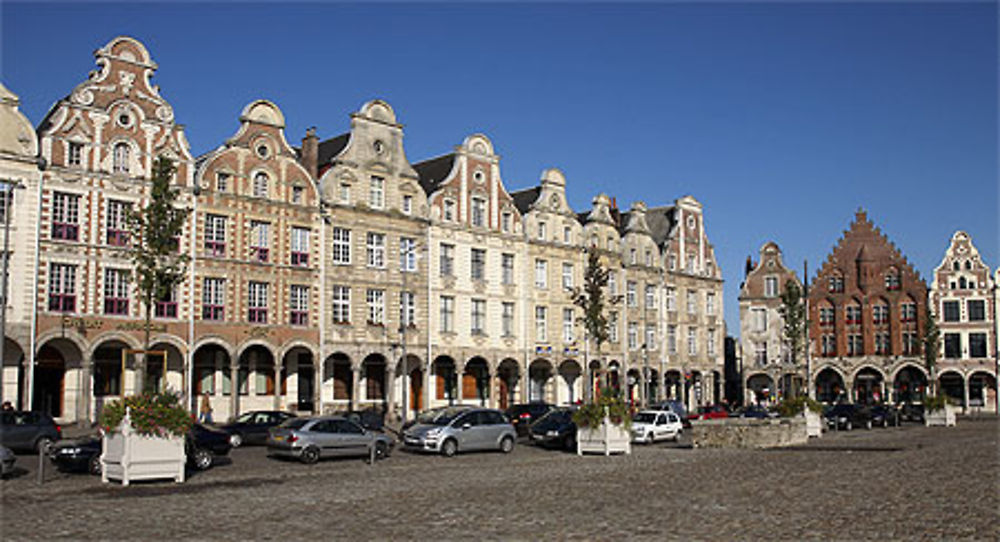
310 152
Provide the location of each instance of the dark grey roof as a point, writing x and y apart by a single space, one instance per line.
329 149
433 171
661 222
525 198
582 217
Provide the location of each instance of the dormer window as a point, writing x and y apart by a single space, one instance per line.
505 221
222 181
120 158
376 192
478 212
567 235
75 156
297 194
836 284
407 205
448 210
542 230
260 181
892 281
345 193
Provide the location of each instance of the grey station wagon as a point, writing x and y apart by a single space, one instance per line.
461 429
309 439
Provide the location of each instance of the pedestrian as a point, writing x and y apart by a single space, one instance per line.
7 407
205 412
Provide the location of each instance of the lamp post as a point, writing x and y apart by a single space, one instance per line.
8 197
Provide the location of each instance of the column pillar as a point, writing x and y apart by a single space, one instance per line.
355 388
277 385
392 413
491 396
319 376
459 384
965 392
84 393
234 385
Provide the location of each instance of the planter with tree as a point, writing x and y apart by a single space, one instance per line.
938 408
143 438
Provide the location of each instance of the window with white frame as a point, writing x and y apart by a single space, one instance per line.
213 299
448 210
710 343
541 274
65 216
613 327
633 256
882 343
261 181
671 298
976 309
612 282
447 314
407 254
542 230
478 212
770 286
672 262
297 194
407 204
650 343
260 240
116 283
507 319
630 294
908 311
345 193
855 346
300 246
222 181
447 260
977 345
120 158
829 345
909 343
690 264
567 235
692 341
567 276
952 311
760 354
710 303
853 313
880 313
507 268
568 326
759 319
257 303
341 304
215 235
478 264
478 315
298 297
117 225
407 309
672 339
505 221
633 336
541 327
376 306
341 246
376 192
75 157
376 250
649 258
650 297
692 302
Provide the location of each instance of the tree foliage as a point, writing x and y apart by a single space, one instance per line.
590 297
793 311
931 345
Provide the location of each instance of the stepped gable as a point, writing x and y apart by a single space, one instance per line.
864 242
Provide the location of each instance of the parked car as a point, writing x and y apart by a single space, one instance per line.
710 412
674 406
555 429
429 415
370 418
7 459
847 416
202 445
463 430
753 411
884 415
522 415
309 439
77 455
253 427
650 426
28 430
911 413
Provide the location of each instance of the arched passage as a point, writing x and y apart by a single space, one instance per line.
258 380
952 384
112 377
539 374
338 380
53 392
445 379
300 379
373 381
570 382
983 391
508 377
174 359
410 377
829 385
633 381
910 385
14 377
869 386
760 386
211 373
475 381
672 385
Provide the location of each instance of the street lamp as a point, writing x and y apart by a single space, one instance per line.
7 189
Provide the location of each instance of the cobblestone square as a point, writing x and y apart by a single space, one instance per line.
902 483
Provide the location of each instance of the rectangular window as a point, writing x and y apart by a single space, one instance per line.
710 303
541 331
649 258
447 314
345 193
633 336
882 343
341 246
909 343
116 291
166 306
65 216
650 343
770 287
692 341
692 302
505 222
448 212
760 355
117 223
75 157
568 326
507 319
257 302
836 284
215 235
447 260
376 306
62 288
300 246
222 181
633 256
671 298
829 345
951 311
853 314
567 235
710 347
407 205
630 295
478 212
478 316
376 192
650 297
407 254
908 312
478 266
260 240
613 327
855 346
892 281
542 231
977 345
507 268
826 317
567 276
977 310
341 304
213 299
672 339
952 345
376 250
407 309
759 319
612 282
260 181
297 194
299 305
541 274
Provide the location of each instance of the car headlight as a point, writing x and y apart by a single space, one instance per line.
69 451
552 433
432 434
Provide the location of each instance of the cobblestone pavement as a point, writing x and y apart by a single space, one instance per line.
897 483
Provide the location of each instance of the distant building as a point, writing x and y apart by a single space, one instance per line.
963 301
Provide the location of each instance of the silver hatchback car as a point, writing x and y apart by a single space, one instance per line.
309 439
462 429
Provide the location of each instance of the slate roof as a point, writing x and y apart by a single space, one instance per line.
330 148
661 221
524 198
433 171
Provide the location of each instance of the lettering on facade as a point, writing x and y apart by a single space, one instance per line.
81 324
142 326
258 332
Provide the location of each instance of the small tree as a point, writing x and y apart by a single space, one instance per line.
590 298
154 233
793 311
931 344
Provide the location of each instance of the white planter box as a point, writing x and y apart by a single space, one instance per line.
128 456
606 439
944 417
814 423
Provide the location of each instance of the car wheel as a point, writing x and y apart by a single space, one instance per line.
94 466
44 445
449 447
310 455
381 451
235 440
202 459
569 443
649 438
868 424
848 426
885 422
506 445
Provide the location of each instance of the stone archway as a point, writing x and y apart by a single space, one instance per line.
445 379
112 376
175 379
869 386
539 375
475 381
258 379
14 377
570 382
211 373
761 388
829 385
672 385
952 384
508 378
909 385
374 393
593 379
55 359
633 386
410 384
300 389
338 380
983 391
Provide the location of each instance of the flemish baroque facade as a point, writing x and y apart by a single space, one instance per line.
337 275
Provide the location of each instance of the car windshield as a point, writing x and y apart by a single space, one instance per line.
246 418
447 415
557 416
644 417
294 423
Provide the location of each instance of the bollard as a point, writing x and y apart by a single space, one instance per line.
371 453
40 479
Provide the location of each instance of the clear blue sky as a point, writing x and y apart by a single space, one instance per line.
781 118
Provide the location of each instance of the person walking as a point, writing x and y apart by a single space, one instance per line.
205 412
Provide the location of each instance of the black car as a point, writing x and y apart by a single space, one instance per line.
884 415
848 416
555 429
28 430
201 445
253 427
522 415
911 413
753 411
